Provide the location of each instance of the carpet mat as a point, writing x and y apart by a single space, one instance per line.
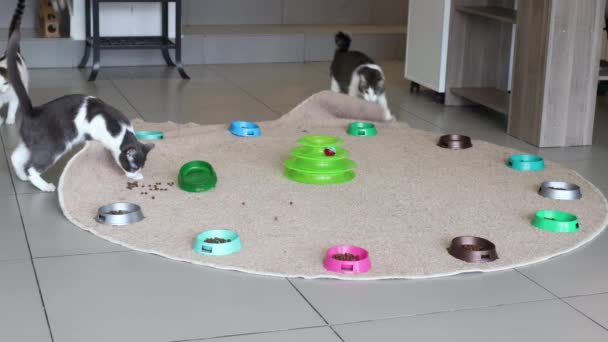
409 198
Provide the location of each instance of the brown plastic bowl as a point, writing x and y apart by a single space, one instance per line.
481 250
455 142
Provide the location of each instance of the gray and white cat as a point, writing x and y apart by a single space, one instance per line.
7 94
50 130
355 74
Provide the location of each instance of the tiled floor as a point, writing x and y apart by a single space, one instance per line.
58 283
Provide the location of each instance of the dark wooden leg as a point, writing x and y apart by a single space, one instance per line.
96 41
165 26
87 28
178 40
414 87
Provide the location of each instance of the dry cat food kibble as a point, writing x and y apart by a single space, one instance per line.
117 212
472 248
346 257
217 240
131 185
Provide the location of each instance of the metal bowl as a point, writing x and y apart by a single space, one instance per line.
560 191
119 214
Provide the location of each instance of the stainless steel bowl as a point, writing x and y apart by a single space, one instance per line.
560 191
129 213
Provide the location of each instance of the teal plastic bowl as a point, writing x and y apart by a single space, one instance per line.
526 162
203 243
149 135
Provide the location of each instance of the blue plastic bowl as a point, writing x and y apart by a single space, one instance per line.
245 129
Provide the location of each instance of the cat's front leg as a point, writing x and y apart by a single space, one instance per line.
13 105
335 87
38 182
384 103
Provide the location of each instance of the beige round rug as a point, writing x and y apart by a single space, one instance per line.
409 199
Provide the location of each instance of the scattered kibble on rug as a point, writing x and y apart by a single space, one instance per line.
217 240
346 257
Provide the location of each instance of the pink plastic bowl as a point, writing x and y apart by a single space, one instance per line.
360 266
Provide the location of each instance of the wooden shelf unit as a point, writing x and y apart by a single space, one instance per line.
480 52
506 15
492 98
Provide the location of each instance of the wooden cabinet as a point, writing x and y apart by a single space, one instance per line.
535 61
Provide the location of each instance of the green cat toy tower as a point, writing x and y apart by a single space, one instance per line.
320 160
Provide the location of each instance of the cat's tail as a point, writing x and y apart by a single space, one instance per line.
12 57
343 41
16 21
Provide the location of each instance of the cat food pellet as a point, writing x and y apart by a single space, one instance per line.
472 248
131 185
243 203
117 212
290 203
217 240
346 257
153 197
276 218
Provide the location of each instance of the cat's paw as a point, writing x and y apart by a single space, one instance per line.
48 187
9 121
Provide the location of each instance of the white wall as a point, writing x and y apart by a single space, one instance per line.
126 19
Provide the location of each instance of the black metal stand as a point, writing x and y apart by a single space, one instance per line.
96 43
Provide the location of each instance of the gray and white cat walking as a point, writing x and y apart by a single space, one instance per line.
355 74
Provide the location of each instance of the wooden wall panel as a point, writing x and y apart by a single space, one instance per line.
555 75
528 84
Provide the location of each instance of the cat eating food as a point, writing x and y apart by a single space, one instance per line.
52 129
355 74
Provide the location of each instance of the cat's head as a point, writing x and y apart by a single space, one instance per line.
132 158
371 84
3 80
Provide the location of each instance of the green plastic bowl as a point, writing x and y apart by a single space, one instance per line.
322 178
526 162
321 141
197 176
318 153
324 165
149 135
362 129
556 221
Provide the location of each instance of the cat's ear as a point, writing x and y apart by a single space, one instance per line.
148 147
